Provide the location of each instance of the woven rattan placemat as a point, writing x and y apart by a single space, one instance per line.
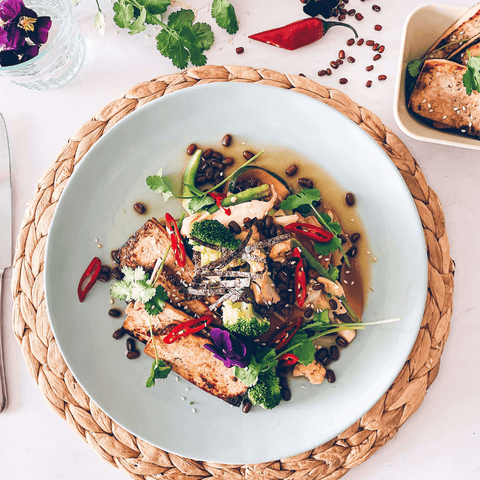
136 457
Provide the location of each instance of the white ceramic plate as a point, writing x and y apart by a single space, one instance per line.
422 28
96 204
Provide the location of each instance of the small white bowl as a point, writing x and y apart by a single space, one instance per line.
422 28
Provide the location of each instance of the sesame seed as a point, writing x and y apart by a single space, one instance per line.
463 130
444 117
375 259
455 109
458 113
464 108
303 386
194 410
424 101
99 245
187 389
431 110
352 283
461 33
346 283
429 105
470 124
347 272
177 379
352 219
183 398
96 240
368 253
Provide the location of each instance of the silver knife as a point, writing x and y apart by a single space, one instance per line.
5 238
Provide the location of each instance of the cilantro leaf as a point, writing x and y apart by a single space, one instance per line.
191 43
182 18
159 184
154 7
204 34
138 25
471 78
224 14
123 13
263 360
321 321
414 67
170 45
199 203
156 303
333 273
159 370
306 197
334 227
305 351
328 247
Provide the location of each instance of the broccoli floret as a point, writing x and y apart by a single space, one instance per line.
266 392
212 231
239 317
207 255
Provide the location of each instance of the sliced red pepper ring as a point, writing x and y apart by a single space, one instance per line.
288 359
218 197
187 328
284 335
311 231
92 271
300 279
176 240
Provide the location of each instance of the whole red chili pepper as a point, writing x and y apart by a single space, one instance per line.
176 240
92 271
288 359
285 334
311 231
218 197
187 328
298 34
300 279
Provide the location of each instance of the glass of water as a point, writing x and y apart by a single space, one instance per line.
60 58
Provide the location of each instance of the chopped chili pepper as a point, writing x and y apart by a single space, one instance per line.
297 34
187 328
300 279
285 334
92 271
311 231
288 359
218 197
176 240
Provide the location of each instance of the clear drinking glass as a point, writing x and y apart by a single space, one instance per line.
60 58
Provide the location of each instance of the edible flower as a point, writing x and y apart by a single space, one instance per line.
22 32
231 351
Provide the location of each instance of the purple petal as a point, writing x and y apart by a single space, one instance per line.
26 12
9 9
15 37
30 52
8 58
40 32
221 338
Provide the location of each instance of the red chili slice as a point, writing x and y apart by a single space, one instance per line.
176 240
285 334
187 328
300 279
311 231
218 197
288 359
92 271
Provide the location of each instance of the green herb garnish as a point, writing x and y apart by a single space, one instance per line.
471 78
224 14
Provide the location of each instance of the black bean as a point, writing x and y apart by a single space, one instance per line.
203 166
247 406
376 47
339 61
352 12
341 342
118 334
216 164
321 354
218 176
321 73
341 54
381 49
359 16
268 222
247 155
369 68
133 354
234 227
253 182
342 238
352 252
377 27
382 77
227 139
369 43
334 352
228 161
217 155
343 11
308 313
290 256
139 208
334 64
117 273
350 42
343 81
376 8
330 376
305 182
350 199
369 83
105 269
104 277
283 276
312 273
351 60
200 180
239 51
291 170
191 149
377 57
329 71
333 304
355 237
327 360
207 153
286 394
247 221
318 286
360 41
292 264
131 347
209 173
114 312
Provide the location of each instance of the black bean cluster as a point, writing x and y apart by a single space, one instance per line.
212 166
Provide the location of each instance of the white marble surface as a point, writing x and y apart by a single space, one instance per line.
441 440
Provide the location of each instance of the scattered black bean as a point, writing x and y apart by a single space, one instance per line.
308 313
321 354
133 354
329 72
369 83
283 276
341 54
355 237
352 252
376 8
139 208
377 27
209 173
318 287
216 164
343 11
343 81
334 352
382 77
104 277
114 312
286 394
292 264
117 273
359 17
268 222
342 238
334 64
131 347
118 334
341 342
350 199
218 176
352 12
239 50
217 155
333 304
105 269
381 49
369 68
247 155
360 42
339 61
234 227
322 73
370 43
327 360
227 139
350 42
330 376
191 149
351 60
291 170
247 406
207 153
200 180
203 166
375 47
305 182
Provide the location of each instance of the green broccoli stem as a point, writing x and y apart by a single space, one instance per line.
311 260
242 197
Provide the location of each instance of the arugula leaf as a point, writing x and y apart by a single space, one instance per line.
138 25
199 203
224 14
306 197
414 67
471 78
159 370
159 184
156 303
305 351
123 13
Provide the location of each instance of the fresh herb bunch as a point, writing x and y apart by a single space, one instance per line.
181 39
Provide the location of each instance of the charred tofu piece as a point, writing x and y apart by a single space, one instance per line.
188 358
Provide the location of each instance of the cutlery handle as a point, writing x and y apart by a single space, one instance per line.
3 383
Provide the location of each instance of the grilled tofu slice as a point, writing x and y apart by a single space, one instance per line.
188 358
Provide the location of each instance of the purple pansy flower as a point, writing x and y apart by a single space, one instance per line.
14 57
21 29
228 349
